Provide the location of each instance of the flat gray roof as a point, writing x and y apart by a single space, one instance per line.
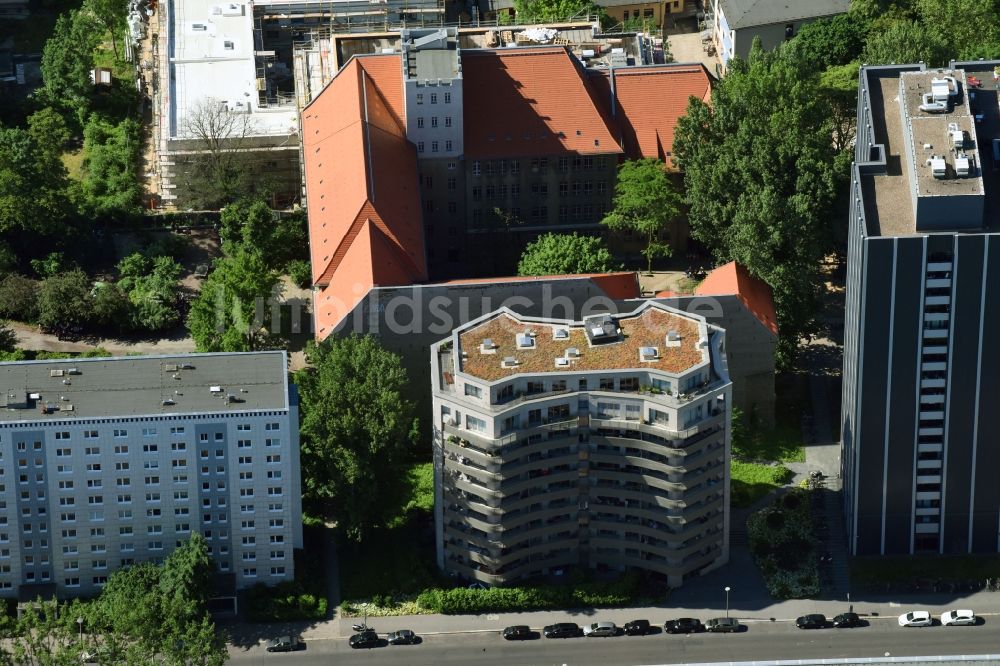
127 386
747 13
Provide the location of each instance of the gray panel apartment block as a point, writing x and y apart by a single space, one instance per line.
920 376
108 462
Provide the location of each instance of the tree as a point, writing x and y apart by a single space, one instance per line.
645 203
759 170
217 174
8 338
109 185
67 59
969 28
32 185
18 298
111 308
546 11
280 238
233 310
358 428
64 301
904 42
111 14
48 130
151 287
561 254
830 41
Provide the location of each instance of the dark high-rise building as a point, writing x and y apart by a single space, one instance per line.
921 376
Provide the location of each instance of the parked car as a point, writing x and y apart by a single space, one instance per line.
919 618
601 629
812 621
723 625
403 637
284 644
848 621
683 625
365 639
519 632
637 628
955 618
562 630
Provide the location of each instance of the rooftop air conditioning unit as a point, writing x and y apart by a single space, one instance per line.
963 165
931 105
572 352
509 362
562 362
560 334
525 341
215 389
939 168
489 344
648 354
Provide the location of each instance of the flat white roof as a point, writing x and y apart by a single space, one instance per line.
211 56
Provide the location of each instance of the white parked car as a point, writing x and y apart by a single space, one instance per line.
958 618
919 618
600 629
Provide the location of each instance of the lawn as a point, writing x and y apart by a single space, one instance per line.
73 161
865 570
751 481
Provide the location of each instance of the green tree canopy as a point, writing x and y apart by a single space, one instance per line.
759 168
646 201
562 254
905 42
279 238
970 29
830 41
64 300
32 185
67 59
18 298
110 185
48 130
534 11
233 310
358 430
152 289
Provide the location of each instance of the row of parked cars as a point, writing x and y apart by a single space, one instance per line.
917 618
684 625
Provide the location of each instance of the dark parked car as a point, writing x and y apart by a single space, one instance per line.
562 630
848 621
519 632
813 621
637 628
284 644
403 637
684 625
366 639
723 625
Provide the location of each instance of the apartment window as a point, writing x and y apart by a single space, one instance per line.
274 491
473 390
272 442
60 453
276 538
452 166
274 506
243 427
150 448
95 483
447 146
420 122
434 146
434 121
434 98
420 146
59 435
475 424
121 449
477 168
420 98
447 98
277 554
149 432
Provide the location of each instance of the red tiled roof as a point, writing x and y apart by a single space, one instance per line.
531 102
734 279
647 103
361 182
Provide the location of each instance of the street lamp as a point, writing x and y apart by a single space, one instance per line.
79 621
727 601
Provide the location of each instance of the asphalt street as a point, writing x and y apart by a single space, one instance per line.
762 640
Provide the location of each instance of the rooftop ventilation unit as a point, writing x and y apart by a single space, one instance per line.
508 362
488 346
215 389
648 354
171 367
938 166
187 366
562 362
525 341
963 165
167 402
673 338
560 334
572 352
944 88
56 373
956 135
73 371
930 105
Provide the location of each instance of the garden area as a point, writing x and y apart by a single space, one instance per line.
301 599
783 546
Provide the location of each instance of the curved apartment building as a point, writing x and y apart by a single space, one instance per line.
602 443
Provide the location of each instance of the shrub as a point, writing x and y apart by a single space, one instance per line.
782 543
284 602
300 271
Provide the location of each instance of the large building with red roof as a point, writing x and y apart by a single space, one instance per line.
435 163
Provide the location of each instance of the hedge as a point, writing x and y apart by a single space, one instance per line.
284 602
783 545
